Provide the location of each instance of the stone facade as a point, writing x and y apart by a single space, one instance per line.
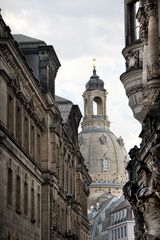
43 178
143 188
104 153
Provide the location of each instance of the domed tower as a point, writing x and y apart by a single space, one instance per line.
104 153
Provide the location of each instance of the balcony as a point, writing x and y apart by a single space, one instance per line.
132 79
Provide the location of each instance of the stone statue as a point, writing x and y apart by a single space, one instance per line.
132 59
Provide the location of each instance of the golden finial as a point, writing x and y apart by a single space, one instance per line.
94 63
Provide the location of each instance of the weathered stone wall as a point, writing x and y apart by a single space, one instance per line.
43 179
142 189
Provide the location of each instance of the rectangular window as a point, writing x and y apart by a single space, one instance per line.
10 114
18 124
38 208
56 211
18 192
26 133
25 198
118 233
32 142
32 206
70 183
115 231
67 177
121 232
38 148
63 217
63 174
59 215
125 231
9 187
112 235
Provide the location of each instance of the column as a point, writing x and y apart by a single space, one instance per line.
151 8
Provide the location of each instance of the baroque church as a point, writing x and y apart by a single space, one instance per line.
44 183
141 81
105 155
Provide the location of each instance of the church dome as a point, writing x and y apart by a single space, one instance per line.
95 82
104 153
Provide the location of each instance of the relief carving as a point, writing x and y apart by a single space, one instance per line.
153 71
120 141
56 124
155 150
43 55
149 205
153 94
151 7
130 189
103 139
143 20
145 200
133 60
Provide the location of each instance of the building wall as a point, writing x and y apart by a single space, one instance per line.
43 179
142 83
123 231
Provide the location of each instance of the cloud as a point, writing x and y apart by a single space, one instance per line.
81 30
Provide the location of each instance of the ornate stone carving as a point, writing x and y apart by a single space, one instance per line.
47 177
145 200
134 152
3 138
120 141
56 124
103 139
143 20
149 205
153 71
43 55
155 150
148 127
130 189
132 59
151 7
136 88
153 94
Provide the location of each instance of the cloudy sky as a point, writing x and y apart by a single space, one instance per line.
81 30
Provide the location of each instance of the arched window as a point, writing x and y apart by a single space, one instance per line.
105 165
97 106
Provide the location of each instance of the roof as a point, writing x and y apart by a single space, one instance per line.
97 144
106 206
61 100
20 38
121 204
95 83
64 107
